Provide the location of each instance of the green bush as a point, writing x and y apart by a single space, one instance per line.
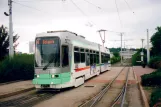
155 97
115 59
116 54
137 57
152 79
20 67
155 62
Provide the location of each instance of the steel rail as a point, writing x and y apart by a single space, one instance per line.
122 94
28 100
98 97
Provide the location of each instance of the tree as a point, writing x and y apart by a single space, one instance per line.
156 42
116 54
115 49
4 42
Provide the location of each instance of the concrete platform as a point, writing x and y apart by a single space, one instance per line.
10 89
139 71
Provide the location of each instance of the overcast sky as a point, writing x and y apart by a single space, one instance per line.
35 16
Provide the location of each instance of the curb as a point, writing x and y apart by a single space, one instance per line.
16 92
6 83
143 96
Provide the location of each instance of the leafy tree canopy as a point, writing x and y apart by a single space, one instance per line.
156 42
115 49
116 54
4 42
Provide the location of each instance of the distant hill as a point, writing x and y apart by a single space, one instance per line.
119 49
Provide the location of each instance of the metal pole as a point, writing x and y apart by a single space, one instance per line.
104 36
124 46
121 48
148 53
11 51
142 50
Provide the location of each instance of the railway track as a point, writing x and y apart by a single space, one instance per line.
121 96
29 100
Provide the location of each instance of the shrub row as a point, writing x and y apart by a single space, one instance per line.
155 98
152 79
137 57
20 67
155 62
115 59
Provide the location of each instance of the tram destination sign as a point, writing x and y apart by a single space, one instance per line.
44 42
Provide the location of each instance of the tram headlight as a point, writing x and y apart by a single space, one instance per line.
52 76
38 76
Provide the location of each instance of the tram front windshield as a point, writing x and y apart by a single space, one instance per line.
47 52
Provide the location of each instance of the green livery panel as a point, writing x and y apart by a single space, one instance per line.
56 79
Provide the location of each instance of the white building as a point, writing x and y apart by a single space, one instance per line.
127 54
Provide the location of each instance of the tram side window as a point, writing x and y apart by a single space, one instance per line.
76 55
106 58
94 56
102 58
82 57
97 59
65 59
87 59
108 55
91 59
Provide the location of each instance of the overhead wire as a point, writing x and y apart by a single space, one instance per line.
28 6
102 10
75 6
82 12
129 6
37 0
35 9
118 13
92 4
78 8
89 23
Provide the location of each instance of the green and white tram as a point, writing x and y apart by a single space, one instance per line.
65 59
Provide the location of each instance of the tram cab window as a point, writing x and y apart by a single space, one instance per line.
65 59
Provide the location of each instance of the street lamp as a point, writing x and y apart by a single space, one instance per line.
5 13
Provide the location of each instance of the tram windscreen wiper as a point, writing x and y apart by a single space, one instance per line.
52 59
